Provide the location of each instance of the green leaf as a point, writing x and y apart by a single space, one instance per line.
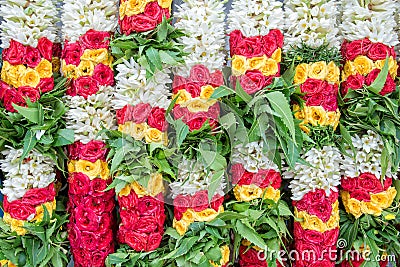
214 254
64 137
182 131
162 30
241 93
380 81
56 260
117 160
29 143
250 234
153 57
183 248
222 91
31 114
167 58
215 183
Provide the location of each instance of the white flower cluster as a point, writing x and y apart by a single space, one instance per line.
82 15
313 22
88 116
367 157
253 157
35 171
324 172
398 28
374 19
204 23
192 177
254 17
27 21
133 88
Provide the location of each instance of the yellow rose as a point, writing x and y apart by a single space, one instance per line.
390 216
126 128
363 65
69 71
4 71
44 68
206 91
125 191
156 184
138 130
206 215
256 63
56 64
184 96
30 78
391 195
134 7
95 55
225 252
139 189
189 216
370 208
105 172
180 226
247 192
348 69
301 73
318 70
108 61
380 199
270 67
85 68
50 206
277 55
333 73
304 128
312 223
271 193
318 116
332 118
299 113
153 135
16 225
71 166
354 207
335 207
7 263
198 105
392 64
16 74
122 9
165 3
333 222
239 65
91 169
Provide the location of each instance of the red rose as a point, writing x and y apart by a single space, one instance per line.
18 209
182 202
246 179
74 235
178 214
251 256
216 79
29 92
237 170
79 183
128 202
86 219
92 151
353 82
250 47
154 240
124 114
302 204
369 183
137 241
57 50
86 86
37 196
353 49
331 237
200 201
72 53
322 263
73 150
146 224
45 47
309 252
360 195
150 206
45 85
156 119
15 53
105 223
179 112
98 257
196 123
154 11
142 23
298 231
387 183
32 57
235 37
277 34
390 86
330 102
314 237
129 217
95 39
269 44
103 74
216 202
322 210
193 88
199 74
315 99
74 201
4 87
88 241
313 86
13 97
166 14
252 81
125 25
178 83
378 51
98 187
98 204
213 111
267 178
141 112
333 196
348 184
316 196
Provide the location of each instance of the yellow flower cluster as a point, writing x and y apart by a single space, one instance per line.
317 70
89 59
225 253
142 130
7 263
379 202
197 104
363 65
17 225
247 243
252 191
19 75
97 169
268 66
155 186
312 222
316 115
190 216
133 7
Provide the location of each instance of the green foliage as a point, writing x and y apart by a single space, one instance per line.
151 49
125 256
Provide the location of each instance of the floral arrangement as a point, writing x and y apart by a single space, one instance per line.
143 15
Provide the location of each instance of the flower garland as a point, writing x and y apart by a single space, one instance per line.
142 15
86 62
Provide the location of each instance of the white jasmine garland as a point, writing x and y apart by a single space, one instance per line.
27 21
312 22
192 177
79 16
35 171
254 18
133 88
373 19
367 157
88 116
204 23
324 172
253 157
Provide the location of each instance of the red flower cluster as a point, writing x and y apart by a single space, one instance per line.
198 202
249 257
362 186
263 178
320 93
142 221
199 78
25 207
102 74
148 20
17 53
90 230
143 112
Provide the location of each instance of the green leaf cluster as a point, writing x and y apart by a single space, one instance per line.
125 256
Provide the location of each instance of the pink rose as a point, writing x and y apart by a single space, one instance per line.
331 237
330 103
216 79
156 119
124 114
348 184
32 57
95 39
314 237
86 86
253 81
45 47
353 82
269 44
370 183
128 202
154 11
237 170
193 88
178 83
15 53
45 85
360 195
18 209
86 219
200 201
199 74
141 112
92 151
29 92
196 123
179 112
182 202
142 23
217 202
378 51
149 206
103 74
154 240
72 53
235 37
313 86
356 48
136 240
322 210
